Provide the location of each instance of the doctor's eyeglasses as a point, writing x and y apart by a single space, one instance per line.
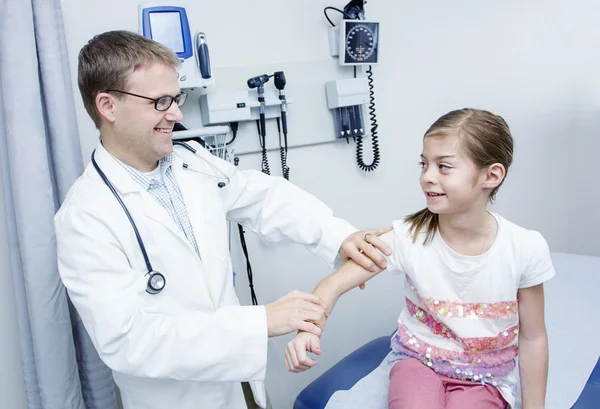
160 104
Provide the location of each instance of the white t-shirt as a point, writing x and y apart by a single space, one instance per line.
461 316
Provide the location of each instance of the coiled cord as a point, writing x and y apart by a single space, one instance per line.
374 140
285 170
265 160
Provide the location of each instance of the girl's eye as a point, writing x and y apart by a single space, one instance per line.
444 167
421 164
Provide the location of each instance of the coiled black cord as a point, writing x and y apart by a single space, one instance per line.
285 170
374 141
248 265
265 160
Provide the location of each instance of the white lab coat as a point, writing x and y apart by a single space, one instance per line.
191 345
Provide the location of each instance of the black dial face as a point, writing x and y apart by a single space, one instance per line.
361 43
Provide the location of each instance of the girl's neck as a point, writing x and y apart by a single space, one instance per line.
471 233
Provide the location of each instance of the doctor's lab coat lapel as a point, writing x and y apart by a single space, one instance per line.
194 197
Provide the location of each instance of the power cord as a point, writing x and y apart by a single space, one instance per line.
234 129
336 9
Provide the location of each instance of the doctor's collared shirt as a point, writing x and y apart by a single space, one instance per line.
162 186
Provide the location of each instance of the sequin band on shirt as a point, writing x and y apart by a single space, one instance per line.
480 373
474 344
408 340
490 311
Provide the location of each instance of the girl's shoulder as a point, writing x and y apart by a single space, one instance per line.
529 249
399 240
527 240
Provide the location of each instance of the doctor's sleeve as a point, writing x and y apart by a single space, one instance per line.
277 210
136 335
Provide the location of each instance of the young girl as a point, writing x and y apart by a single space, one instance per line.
472 281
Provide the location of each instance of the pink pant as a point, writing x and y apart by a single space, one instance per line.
415 386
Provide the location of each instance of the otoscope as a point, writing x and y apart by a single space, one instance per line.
258 82
280 85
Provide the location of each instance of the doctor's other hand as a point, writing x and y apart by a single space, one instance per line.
296 357
297 311
365 248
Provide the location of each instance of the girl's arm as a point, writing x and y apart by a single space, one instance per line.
329 290
349 276
533 347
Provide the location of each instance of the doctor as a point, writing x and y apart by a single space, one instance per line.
143 247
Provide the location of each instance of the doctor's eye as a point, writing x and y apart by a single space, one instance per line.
164 103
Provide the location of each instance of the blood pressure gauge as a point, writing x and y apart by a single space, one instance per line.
359 42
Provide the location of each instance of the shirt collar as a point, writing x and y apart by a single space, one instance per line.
143 179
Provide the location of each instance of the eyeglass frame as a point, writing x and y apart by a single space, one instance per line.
154 99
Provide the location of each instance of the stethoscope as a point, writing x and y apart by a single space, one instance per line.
156 281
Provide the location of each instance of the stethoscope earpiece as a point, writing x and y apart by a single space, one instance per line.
223 175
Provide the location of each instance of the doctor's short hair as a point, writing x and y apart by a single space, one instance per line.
484 137
108 59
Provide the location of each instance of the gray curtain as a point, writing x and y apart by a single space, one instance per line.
40 158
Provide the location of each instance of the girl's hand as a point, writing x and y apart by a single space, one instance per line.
296 357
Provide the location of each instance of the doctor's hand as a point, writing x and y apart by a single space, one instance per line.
364 248
296 357
297 311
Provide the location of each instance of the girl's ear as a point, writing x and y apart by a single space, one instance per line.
494 176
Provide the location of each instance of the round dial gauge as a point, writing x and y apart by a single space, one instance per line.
360 43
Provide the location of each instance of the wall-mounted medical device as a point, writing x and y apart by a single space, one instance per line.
346 98
169 25
258 103
356 42
359 42
238 106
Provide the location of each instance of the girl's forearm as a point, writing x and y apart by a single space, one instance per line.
533 367
349 276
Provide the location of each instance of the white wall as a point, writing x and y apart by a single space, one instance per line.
12 386
535 63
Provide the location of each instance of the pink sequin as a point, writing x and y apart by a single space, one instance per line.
438 328
475 344
497 357
486 344
443 308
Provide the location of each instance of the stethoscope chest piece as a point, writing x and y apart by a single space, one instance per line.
156 282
